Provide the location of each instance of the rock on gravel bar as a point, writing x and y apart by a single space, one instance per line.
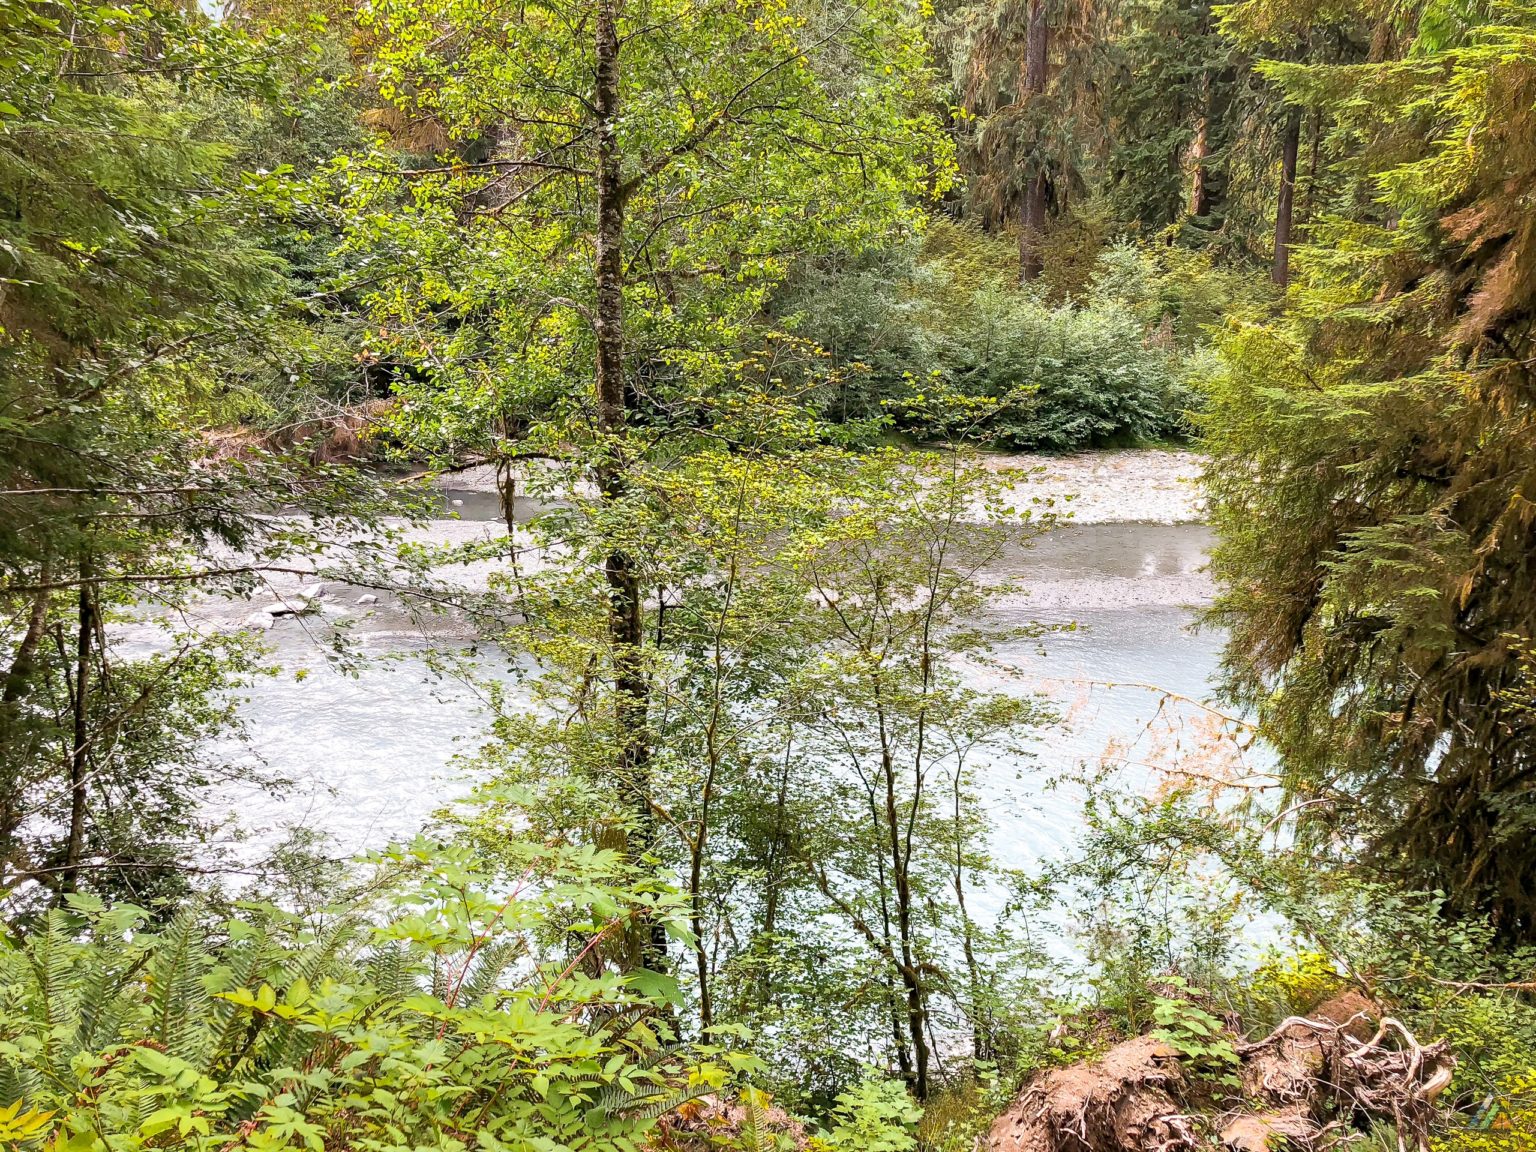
1132 486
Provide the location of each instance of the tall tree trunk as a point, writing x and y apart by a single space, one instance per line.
79 760
773 878
18 682
1199 154
1032 233
1208 190
1290 146
626 623
1037 42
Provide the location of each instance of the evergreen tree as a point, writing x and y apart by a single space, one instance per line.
1030 104
1374 463
132 266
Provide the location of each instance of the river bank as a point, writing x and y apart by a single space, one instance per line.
1129 486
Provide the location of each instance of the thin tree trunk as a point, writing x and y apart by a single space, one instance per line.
1036 195
626 623
900 1032
706 799
981 1032
1290 146
773 879
18 682
1309 200
80 747
901 875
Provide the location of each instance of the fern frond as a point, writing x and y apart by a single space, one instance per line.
178 998
754 1136
649 1105
388 971
489 968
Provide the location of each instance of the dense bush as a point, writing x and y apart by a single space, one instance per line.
1057 378
1012 368
453 1005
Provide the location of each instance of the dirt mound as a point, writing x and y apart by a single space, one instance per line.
1306 1082
1129 1099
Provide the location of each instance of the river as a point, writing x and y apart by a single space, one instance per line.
371 754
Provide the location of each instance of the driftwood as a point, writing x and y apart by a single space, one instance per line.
1311 1084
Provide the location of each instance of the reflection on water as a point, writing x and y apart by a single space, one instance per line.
373 754
1109 679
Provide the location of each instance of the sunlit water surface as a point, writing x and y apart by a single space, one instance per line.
369 756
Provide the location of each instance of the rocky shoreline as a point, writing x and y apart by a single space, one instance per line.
1117 486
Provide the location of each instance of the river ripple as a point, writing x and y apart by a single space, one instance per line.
372 755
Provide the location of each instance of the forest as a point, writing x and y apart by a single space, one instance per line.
800 575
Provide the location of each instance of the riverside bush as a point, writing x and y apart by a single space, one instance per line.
1058 378
1120 366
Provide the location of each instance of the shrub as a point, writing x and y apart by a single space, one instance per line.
876 1115
1059 378
1016 370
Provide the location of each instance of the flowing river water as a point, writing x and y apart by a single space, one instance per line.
371 754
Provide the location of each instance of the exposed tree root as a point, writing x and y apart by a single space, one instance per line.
1312 1083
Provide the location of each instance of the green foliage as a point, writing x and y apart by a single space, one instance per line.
960 1114
1172 79
873 1116
1181 297
456 1013
1022 134
1370 479
744 794
1061 378
484 269
803 668
1505 1121
1193 1032
1295 984
134 272
952 349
